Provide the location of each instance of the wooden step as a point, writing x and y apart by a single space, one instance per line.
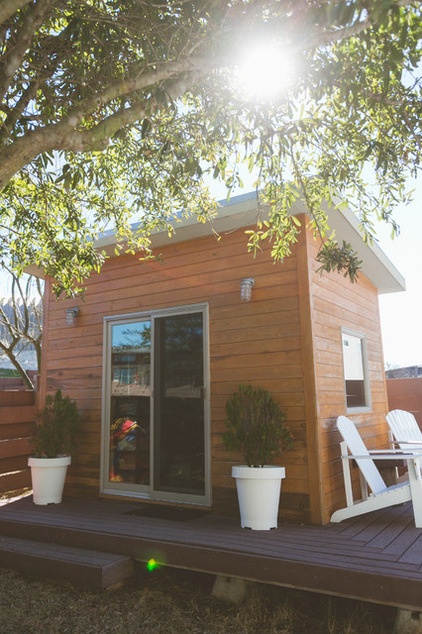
89 568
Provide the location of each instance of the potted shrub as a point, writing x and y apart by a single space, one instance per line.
54 439
256 428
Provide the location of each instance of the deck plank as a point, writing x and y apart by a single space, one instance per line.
376 557
89 568
413 553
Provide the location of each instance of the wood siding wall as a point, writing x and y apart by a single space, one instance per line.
17 416
287 340
336 303
257 342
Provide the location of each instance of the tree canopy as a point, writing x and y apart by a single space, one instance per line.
121 111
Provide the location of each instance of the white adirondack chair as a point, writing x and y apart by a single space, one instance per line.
380 496
404 429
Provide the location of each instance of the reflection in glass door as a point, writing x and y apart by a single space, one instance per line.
155 409
129 438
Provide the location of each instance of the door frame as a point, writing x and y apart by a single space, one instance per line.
147 492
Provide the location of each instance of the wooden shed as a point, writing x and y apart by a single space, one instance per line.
157 348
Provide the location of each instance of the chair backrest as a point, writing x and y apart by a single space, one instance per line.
357 448
404 427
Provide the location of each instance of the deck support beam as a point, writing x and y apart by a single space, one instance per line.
230 589
408 622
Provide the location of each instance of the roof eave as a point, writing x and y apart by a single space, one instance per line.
245 210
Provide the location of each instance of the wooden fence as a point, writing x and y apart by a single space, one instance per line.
16 383
17 416
406 393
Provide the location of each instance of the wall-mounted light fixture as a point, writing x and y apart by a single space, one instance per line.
246 286
71 314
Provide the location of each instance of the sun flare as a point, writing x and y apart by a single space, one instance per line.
265 72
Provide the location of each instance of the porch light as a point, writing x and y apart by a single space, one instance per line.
246 286
71 314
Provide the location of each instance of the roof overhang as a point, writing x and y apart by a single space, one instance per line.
244 210
240 211
376 266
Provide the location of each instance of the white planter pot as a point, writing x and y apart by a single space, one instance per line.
258 492
48 476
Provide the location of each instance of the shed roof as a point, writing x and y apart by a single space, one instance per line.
242 211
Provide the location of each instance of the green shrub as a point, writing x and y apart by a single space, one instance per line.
255 426
57 428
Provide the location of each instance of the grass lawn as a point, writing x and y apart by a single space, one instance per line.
168 601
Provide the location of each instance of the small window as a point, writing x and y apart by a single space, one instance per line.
355 373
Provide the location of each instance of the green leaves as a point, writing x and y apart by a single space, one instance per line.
255 426
150 87
57 428
341 259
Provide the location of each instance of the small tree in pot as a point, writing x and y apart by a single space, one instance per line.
256 428
54 439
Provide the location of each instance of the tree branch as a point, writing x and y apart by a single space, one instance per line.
18 366
65 136
353 30
143 78
22 323
14 114
104 131
9 7
13 58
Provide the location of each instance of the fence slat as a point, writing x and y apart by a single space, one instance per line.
17 397
15 481
17 416
13 463
14 447
24 430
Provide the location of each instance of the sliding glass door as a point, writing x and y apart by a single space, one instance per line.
179 458
155 423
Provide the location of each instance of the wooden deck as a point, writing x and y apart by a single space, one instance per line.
377 557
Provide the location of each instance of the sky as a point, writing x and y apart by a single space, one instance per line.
401 313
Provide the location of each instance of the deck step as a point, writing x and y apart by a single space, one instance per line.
89 568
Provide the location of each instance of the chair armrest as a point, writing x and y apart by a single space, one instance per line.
399 451
381 455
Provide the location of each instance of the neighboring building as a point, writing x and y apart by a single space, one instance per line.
411 371
165 343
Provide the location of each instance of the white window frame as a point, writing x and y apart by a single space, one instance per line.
365 370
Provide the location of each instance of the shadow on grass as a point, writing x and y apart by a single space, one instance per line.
167 600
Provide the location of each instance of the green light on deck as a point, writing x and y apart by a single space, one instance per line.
152 565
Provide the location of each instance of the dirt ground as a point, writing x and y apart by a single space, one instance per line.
167 601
